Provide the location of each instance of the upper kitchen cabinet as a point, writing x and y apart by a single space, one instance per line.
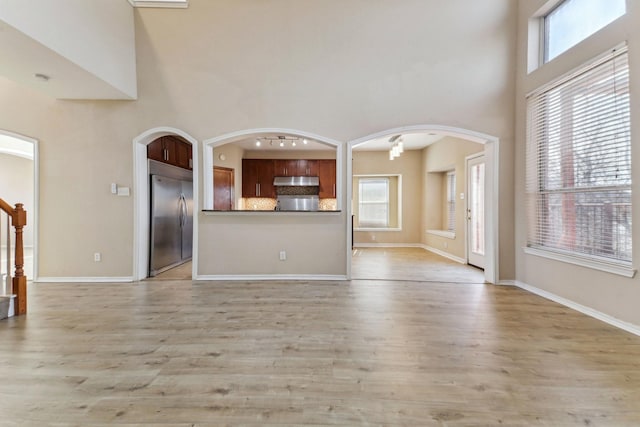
257 178
296 167
327 174
171 150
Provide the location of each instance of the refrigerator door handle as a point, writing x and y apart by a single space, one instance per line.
183 208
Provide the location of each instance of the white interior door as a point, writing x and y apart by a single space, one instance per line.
475 211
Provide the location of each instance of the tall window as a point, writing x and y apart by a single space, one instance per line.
579 163
451 201
373 202
575 20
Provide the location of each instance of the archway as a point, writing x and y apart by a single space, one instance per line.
210 144
141 197
491 196
26 148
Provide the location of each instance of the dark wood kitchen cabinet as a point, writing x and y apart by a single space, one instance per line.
171 150
308 167
296 167
327 174
257 178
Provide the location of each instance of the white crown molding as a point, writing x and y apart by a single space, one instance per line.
261 277
175 4
122 279
621 324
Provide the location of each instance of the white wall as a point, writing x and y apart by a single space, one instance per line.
613 295
331 71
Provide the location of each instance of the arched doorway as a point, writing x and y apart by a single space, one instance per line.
212 143
491 180
142 197
20 154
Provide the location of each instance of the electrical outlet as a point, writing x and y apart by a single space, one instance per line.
97 257
446 245
373 237
283 255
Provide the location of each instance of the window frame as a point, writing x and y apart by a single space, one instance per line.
609 264
544 28
392 227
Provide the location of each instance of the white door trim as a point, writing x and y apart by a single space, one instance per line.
467 193
141 198
33 218
492 184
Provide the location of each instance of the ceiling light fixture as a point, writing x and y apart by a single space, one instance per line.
397 146
279 141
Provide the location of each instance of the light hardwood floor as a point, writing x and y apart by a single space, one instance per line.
410 264
360 353
181 272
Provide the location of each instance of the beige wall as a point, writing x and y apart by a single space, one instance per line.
16 186
330 72
611 294
447 154
409 166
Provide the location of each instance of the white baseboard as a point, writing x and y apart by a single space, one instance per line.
388 245
262 277
444 254
11 311
626 326
125 279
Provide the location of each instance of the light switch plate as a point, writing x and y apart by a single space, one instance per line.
114 188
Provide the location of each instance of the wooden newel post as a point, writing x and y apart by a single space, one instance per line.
19 220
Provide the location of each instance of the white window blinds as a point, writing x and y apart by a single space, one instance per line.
578 163
373 206
451 201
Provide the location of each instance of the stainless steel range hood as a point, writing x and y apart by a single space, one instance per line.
296 181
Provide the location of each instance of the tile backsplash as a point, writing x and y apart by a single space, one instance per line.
259 204
264 204
328 204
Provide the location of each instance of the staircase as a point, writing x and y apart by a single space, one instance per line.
13 289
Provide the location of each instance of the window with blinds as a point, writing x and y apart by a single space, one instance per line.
373 202
451 201
578 163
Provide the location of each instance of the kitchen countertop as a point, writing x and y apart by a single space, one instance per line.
263 212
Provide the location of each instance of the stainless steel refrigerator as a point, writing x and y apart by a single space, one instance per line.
171 223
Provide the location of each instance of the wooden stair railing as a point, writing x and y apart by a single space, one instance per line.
18 220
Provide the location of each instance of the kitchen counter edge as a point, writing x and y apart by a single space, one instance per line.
259 212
